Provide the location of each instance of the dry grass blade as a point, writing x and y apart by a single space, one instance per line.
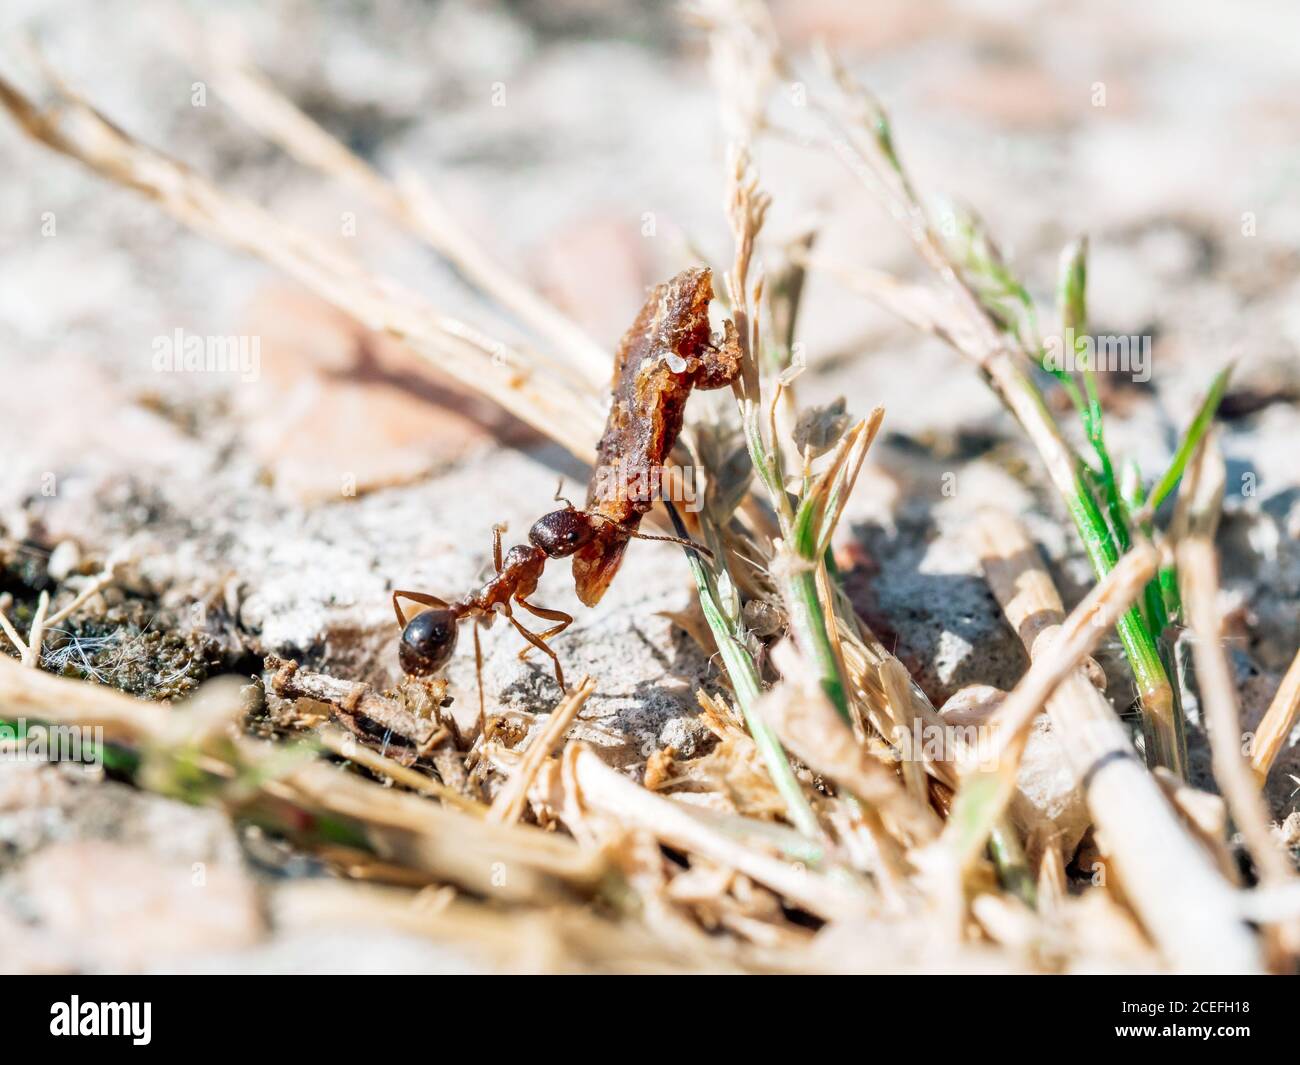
20 645
594 786
34 694
102 581
351 697
509 803
824 502
36 634
1079 634
987 786
1277 723
481 363
1189 909
411 202
563 939
809 726
916 305
444 844
345 745
1199 503
312 802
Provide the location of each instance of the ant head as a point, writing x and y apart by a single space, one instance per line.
427 642
562 532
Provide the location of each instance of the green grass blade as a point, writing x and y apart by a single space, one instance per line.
1191 438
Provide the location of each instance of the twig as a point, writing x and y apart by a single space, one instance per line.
351 697
97 585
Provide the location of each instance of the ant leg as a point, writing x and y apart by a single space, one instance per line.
537 642
478 674
415 597
565 620
497 530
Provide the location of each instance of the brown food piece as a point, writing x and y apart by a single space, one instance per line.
668 351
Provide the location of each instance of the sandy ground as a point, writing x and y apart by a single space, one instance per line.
295 501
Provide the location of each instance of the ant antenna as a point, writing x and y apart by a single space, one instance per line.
559 498
684 541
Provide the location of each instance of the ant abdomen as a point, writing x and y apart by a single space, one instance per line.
428 641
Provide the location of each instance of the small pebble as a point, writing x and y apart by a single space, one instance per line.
65 560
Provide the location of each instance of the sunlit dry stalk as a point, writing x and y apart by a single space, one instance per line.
744 61
306 800
1277 723
1189 909
746 208
20 645
36 634
916 305
987 786
487 366
346 745
510 800
592 785
410 200
805 534
37 695
1199 503
1079 633
412 832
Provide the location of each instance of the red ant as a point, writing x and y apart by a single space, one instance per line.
429 638
668 352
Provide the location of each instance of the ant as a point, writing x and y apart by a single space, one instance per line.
429 638
668 351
